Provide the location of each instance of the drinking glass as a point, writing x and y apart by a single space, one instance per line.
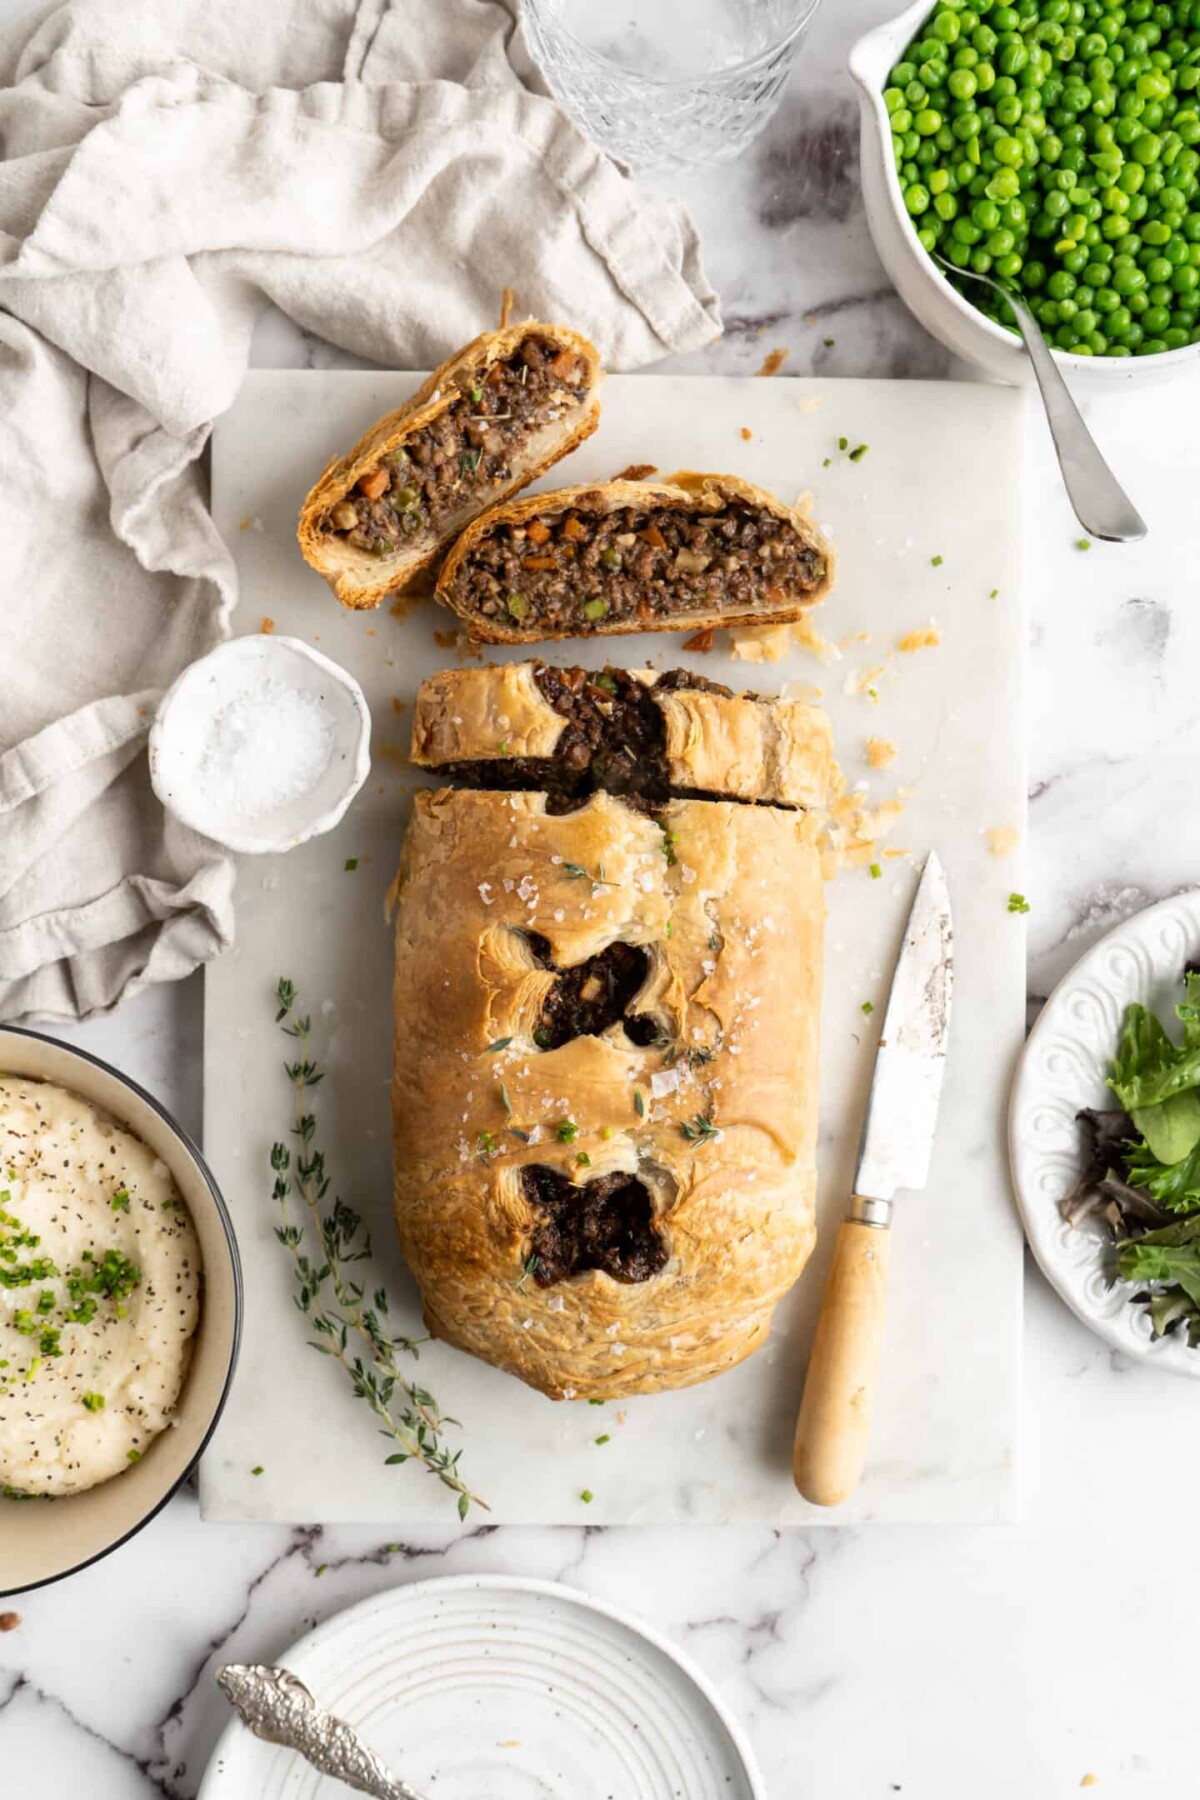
668 83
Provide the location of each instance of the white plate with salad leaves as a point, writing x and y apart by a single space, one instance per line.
1104 1136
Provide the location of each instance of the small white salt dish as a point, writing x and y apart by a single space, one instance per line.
261 744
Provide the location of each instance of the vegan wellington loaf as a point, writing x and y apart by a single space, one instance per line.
607 994
484 425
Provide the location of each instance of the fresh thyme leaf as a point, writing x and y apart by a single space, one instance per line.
576 872
528 1268
497 1044
505 1102
700 1130
343 1323
515 1131
639 1103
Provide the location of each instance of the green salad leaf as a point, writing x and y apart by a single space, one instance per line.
1171 1130
1148 1067
1172 1185
1169 1255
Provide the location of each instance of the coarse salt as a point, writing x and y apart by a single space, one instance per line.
266 746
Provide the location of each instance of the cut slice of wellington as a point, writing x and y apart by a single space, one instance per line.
479 429
691 552
607 991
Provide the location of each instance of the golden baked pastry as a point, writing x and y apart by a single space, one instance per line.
691 552
484 425
630 731
605 1060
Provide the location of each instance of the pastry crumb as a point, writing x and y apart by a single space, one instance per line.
267 626
637 472
810 403
774 360
700 641
9 1621
445 640
801 690
803 503
760 643
398 705
508 1744
853 829
1002 840
881 753
396 753
927 638
244 524
1090 1780
864 681
745 434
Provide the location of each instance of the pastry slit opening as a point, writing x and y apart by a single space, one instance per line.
592 996
605 1224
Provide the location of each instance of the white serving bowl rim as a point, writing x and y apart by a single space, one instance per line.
71 1053
259 841
870 59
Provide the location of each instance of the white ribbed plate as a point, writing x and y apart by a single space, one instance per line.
1065 1067
490 1688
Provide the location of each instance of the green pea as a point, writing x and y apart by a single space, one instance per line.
962 84
916 199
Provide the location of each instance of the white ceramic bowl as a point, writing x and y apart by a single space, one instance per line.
42 1540
181 731
917 278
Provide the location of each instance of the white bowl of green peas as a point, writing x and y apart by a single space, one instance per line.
1055 145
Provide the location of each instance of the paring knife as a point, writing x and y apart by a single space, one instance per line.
897 1140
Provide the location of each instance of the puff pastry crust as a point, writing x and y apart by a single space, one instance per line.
714 1121
742 746
360 579
505 546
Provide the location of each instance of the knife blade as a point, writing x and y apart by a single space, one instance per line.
898 1133
897 1140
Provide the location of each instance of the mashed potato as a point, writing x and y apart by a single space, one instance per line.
99 1292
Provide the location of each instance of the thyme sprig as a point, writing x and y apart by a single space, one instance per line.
348 1325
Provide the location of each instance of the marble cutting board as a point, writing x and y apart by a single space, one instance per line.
940 480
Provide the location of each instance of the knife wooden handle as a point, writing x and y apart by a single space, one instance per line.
839 1389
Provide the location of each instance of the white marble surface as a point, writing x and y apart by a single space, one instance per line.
933 1663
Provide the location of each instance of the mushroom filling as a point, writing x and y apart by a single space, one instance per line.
582 571
615 741
424 483
594 995
606 1224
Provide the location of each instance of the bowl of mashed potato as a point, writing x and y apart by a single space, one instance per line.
120 1308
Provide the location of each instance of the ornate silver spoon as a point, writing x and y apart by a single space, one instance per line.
1099 501
277 1707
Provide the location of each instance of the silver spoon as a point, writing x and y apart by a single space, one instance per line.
277 1707
1099 501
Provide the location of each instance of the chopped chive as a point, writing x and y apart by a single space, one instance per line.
995 594
843 443
566 1131
857 454
867 1007
876 871
1017 903
587 1496
1083 543
604 1438
257 1469
829 342
595 1403
827 462
93 1402
935 562
351 864
120 1201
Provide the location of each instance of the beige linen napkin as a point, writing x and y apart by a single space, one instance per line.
379 171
